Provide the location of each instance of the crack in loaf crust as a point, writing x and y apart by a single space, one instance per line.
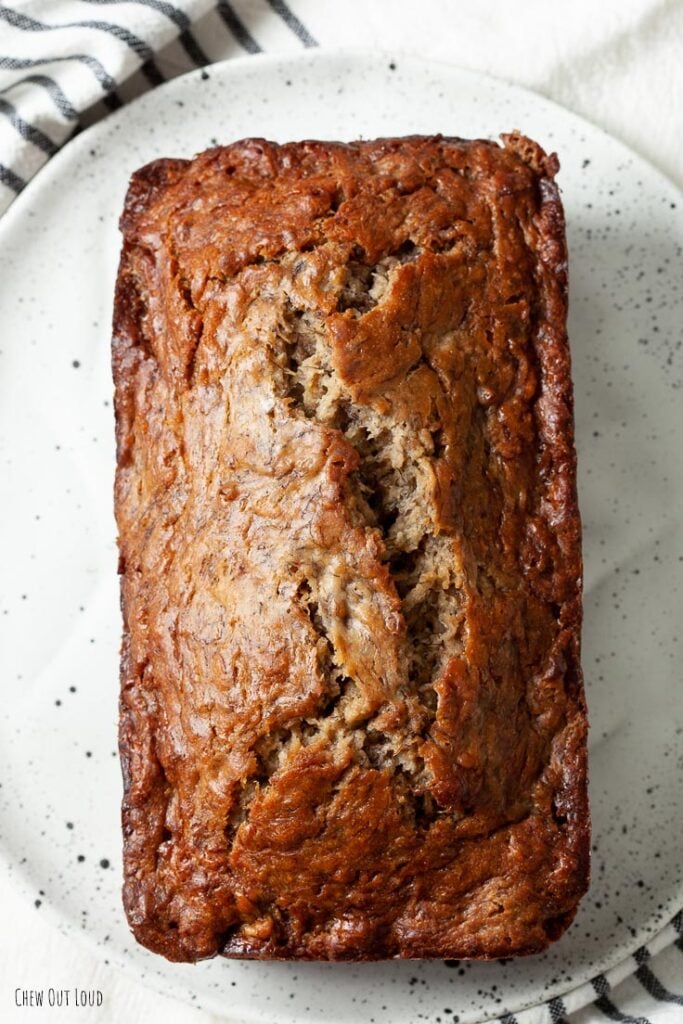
352 714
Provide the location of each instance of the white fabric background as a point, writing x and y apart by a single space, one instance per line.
618 63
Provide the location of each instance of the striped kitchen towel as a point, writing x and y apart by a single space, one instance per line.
66 63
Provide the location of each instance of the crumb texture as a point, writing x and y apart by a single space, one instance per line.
352 715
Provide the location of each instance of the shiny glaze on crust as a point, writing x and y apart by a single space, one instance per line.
352 714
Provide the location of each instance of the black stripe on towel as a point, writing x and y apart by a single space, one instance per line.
237 27
178 17
557 1010
193 49
607 1007
651 982
53 90
112 101
151 72
26 130
100 73
677 922
133 42
12 180
292 22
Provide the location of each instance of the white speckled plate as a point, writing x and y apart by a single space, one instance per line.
59 616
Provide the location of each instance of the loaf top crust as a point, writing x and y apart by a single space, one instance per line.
352 714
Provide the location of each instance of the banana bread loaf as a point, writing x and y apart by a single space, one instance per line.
352 714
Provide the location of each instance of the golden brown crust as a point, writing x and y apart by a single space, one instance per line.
352 713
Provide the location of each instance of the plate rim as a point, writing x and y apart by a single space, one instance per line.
320 54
